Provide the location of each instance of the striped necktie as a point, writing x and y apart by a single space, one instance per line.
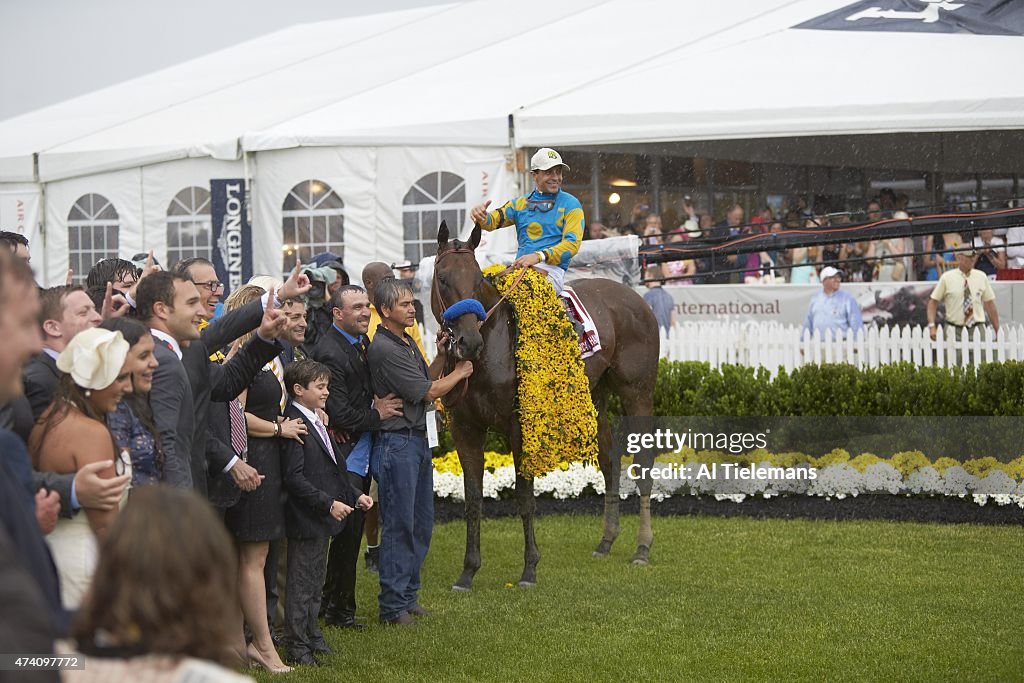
277 367
238 435
968 303
327 441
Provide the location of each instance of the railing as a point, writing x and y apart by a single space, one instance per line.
772 345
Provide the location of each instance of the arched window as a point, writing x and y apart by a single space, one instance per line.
189 226
313 222
435 197
92 233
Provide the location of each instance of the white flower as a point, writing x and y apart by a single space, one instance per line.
995 482
835 480
924 480
956 481
882 476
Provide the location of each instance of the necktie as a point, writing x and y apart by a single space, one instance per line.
238 437
323 435
362 349
277 367
968 304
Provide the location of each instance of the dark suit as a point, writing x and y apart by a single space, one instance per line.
349 409
223 492
183 388
40 376
314 480
349 405
18 517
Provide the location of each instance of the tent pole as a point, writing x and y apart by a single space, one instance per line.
248 189
42 217
595 185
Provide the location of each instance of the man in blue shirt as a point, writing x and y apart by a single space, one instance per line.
832 309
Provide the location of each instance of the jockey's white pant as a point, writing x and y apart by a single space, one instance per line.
556 275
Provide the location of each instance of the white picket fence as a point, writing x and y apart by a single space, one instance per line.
772 345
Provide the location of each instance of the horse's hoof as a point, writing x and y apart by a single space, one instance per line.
598 553
456 588
527 584
642 556
603 548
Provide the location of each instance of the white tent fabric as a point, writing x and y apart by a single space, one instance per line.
760 78
577 72
370 104
240 77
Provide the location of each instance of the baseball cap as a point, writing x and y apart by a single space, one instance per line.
546 158
829 271
404 265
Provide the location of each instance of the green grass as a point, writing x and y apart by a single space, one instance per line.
724 599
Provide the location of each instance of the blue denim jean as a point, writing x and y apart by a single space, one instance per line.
402 465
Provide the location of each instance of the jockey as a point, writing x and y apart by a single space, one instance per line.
549 222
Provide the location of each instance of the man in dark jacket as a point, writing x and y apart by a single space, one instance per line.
355 413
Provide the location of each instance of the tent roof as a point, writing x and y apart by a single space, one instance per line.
578 72
763 78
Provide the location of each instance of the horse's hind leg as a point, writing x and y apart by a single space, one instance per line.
644 535
470 445
635 403
609 463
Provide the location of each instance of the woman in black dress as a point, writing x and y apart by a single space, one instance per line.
258 516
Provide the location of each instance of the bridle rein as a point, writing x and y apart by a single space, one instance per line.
446 325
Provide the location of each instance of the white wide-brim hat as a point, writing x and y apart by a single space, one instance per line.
94 358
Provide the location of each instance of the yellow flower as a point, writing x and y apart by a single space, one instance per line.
556 413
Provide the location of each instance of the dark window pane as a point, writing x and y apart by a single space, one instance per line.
449 182
335 230
319 230
411 225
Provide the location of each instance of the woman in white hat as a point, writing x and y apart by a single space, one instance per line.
72 433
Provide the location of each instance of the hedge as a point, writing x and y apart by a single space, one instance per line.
900 390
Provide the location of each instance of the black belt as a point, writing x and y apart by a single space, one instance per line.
963 327
408 431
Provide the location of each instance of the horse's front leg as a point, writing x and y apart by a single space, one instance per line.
527 509
469 442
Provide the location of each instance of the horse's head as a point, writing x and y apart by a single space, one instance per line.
457 278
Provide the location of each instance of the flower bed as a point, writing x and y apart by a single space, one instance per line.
837 475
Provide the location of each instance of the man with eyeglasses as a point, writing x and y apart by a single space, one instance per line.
968 296
204 276
549 221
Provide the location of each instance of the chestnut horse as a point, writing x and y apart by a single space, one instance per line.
627 365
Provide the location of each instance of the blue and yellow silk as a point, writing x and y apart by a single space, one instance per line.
548 223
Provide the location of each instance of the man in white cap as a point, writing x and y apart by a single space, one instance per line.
549 222
832 309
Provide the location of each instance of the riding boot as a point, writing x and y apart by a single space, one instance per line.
577 326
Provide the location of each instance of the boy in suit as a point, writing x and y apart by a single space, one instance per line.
320 497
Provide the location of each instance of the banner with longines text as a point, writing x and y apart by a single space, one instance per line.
232 234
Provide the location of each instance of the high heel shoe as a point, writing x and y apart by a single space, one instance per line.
256 659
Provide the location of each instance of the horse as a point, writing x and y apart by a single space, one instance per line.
627 365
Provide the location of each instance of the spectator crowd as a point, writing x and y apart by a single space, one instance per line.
145 422
895 259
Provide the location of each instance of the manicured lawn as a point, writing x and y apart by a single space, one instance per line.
724 599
